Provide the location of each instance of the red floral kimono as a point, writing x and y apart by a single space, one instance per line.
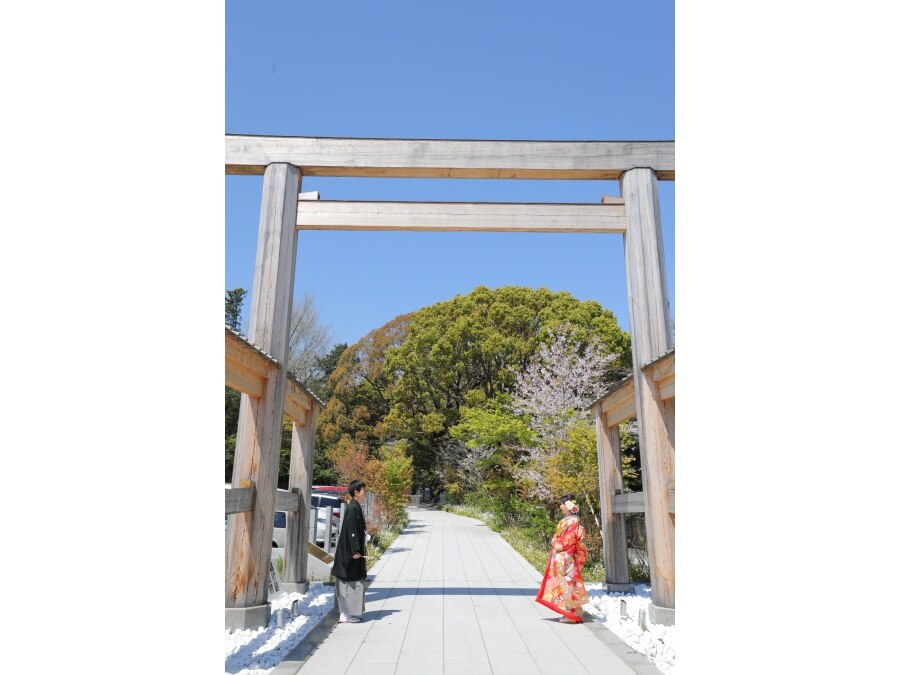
563 588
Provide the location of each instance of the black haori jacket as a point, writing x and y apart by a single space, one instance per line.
351 540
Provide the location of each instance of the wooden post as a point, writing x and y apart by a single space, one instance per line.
309 449
249 535
615 548
651 337
296 556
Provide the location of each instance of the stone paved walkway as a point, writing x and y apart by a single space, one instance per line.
451 596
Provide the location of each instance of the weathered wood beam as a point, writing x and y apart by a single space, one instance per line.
246 369
460 216
257 450
617 397
245 380
630 502
622 412
663 374
662 368
648 298
239 500
287 501
666 388
293 411
423 158
299 397
619 405
609 464
651 339
296 560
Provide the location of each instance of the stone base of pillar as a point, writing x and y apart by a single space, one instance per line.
613 587
662 615
292 587
243 618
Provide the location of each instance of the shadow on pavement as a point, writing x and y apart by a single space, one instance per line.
381 594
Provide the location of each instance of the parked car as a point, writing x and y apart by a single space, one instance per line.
339 490
278 532
323 499
320 529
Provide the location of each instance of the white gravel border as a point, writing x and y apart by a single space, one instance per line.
657 642
257 652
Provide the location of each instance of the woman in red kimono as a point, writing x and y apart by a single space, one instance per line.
563 588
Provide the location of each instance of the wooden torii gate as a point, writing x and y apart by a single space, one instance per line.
282 161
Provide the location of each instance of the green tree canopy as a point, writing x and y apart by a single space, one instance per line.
408 379
324 367
361 389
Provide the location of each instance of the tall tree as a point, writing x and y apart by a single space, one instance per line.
324 470
234 300
309 339
324 367
480 342
361 388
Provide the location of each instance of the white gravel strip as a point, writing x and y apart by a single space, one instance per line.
657 643
257 652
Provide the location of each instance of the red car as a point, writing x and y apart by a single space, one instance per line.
339 489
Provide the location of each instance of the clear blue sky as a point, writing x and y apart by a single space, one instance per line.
591 70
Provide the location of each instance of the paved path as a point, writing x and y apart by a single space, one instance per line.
451 596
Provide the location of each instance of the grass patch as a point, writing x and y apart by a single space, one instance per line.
470 512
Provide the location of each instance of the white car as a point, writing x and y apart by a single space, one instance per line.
279 530
321 500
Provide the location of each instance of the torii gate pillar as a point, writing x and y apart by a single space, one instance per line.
651 337
249 534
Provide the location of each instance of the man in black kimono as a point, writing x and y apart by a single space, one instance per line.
350 558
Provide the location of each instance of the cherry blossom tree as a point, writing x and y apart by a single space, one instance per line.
552 393
560 382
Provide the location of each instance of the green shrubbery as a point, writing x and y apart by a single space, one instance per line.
513 512
395 483
383 538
